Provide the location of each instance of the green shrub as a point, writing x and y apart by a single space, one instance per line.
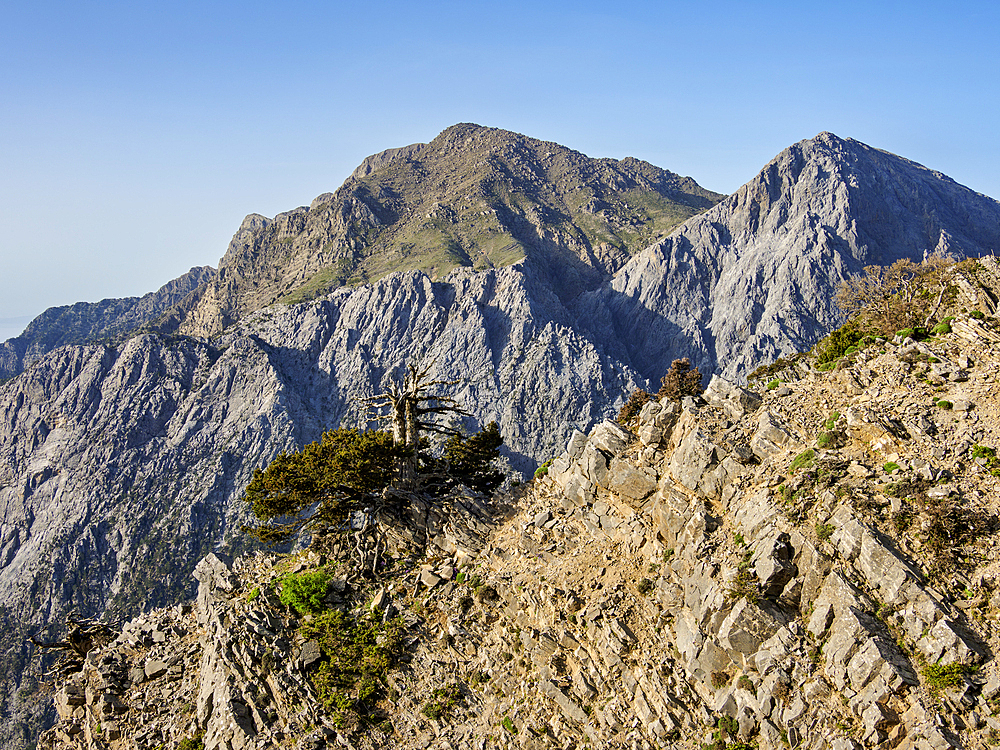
508 724
836 344
831 421
982 451
805 460
195 742
357 654
825 440
943 676
746 683
729 725
253 594
773 384
946 405
916 333
442 701
942 328
977 314
304 591
744 586
542 470
825 530
644 586
890 467
990 456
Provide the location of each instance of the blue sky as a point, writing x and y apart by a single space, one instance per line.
135 136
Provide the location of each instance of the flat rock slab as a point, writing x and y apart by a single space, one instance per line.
155 668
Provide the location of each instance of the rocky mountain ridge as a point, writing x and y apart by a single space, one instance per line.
117 457
473 197
756 569
84 322
755 277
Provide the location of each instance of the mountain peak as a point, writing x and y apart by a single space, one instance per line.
474 196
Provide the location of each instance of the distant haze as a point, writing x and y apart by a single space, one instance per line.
11 327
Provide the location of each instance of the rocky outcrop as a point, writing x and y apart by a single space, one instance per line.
122 465
85 322
116 458
722 575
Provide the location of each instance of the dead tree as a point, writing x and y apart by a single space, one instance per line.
82 636
412 408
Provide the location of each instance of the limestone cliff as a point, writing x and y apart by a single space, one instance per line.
813 565
754 278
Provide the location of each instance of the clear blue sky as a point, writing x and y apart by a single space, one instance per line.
135 135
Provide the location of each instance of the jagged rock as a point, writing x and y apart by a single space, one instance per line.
112 453
769 437
85 322
656 422
736 401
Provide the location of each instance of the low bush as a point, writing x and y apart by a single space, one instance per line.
680 381
542 470
631 408
943 327
988 457
836 344
195 742
304 592
805 460
357 654
442 701
943 676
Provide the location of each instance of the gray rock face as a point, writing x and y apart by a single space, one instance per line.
88 321
754 277
121 466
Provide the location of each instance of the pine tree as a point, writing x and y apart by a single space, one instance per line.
336 474
469 460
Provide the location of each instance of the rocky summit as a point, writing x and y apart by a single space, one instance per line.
812 564
123 462
473 197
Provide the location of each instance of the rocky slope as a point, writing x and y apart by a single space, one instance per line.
121 465
814 565
754 278
89 321
115 458
473 197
